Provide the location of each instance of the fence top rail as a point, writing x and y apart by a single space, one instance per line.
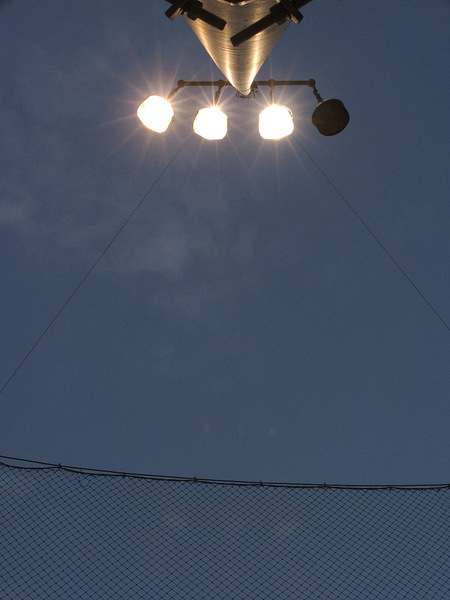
35 464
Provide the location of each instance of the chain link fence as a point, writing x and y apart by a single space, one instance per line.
74 533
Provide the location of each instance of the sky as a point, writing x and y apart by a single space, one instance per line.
244 324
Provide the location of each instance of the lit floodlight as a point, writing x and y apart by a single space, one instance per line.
156 113
276 122
211 123
330 117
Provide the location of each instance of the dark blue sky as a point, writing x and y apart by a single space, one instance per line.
244 325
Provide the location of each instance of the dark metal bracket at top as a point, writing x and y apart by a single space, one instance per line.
284 9
193 9
278 13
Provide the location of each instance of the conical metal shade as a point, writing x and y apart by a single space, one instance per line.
238 63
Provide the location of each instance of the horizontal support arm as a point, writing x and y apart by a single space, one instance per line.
221 83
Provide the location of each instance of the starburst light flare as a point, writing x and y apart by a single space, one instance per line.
211 123
156 113
276 122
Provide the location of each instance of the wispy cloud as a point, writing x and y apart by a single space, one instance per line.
69 188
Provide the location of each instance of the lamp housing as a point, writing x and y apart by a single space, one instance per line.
156 113
330 117
276 122
211 123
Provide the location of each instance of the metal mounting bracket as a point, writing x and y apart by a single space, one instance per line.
284 9
193 9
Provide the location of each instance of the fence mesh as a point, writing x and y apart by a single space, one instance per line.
69 533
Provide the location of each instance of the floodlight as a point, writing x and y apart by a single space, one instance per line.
276 122
330 117
156 113
211 123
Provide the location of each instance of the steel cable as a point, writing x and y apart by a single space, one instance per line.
91 269
377 240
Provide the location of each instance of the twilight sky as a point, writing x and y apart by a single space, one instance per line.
244 324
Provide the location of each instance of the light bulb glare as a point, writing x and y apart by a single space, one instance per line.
156 113
276 122
211 123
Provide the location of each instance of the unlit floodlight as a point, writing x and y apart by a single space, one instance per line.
276 122
211 123
156 113
330 117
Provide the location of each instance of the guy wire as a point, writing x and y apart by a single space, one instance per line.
94 264
381 245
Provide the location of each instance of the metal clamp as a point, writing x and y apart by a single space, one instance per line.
193 9
284 9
